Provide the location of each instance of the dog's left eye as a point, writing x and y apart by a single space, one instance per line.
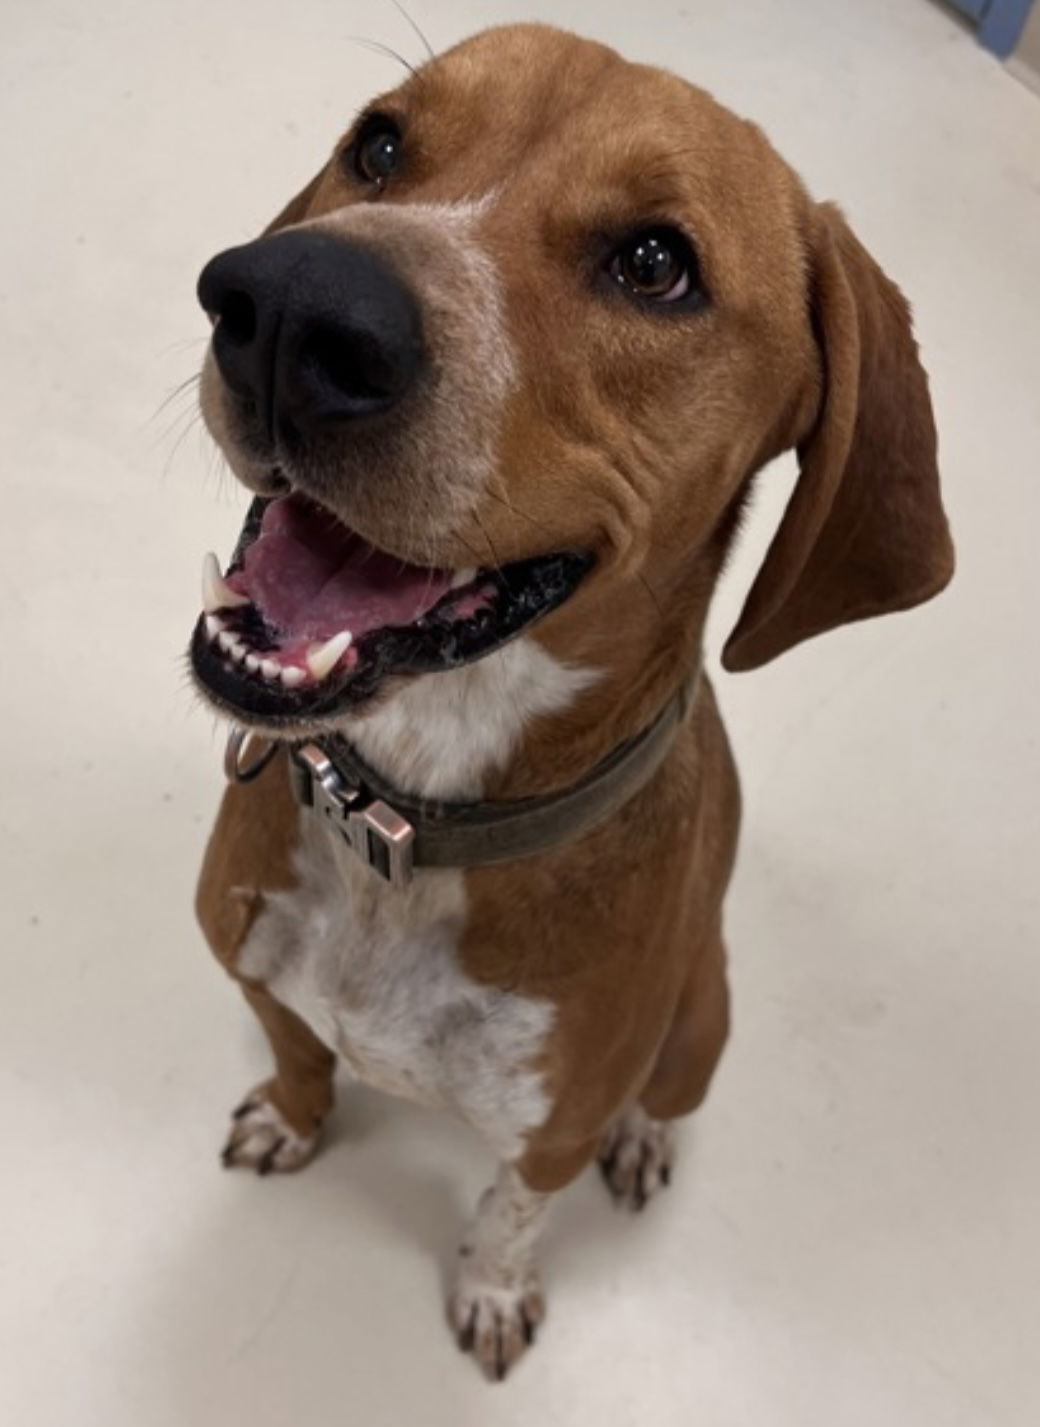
658 264
376 152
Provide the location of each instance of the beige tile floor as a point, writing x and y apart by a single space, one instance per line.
853 1237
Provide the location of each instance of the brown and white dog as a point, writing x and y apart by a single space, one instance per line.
502 374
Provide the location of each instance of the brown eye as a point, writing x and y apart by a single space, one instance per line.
658 264
377 150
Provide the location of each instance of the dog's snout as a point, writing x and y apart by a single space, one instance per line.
311 330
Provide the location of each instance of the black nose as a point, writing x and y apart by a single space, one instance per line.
311 330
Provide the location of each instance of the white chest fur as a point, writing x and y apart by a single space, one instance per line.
441 735
375 971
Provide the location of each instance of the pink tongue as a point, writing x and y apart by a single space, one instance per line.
310 576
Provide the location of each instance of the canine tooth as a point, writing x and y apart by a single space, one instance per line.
270 668
292 676
226 640
216 592
463 577
238 651
323 658
253 663
213 626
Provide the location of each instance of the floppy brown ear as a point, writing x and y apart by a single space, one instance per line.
864 532
295 211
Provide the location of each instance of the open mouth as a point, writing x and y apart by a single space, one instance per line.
310 618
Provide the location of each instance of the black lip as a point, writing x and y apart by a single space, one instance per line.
524 592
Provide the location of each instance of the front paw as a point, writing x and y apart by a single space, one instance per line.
497 1324
636 1157
262 1139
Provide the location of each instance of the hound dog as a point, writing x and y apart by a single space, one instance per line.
500 378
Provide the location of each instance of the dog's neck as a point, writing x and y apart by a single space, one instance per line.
448 735
637 667
519 723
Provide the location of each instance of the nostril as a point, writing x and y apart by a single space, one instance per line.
355 364
237 318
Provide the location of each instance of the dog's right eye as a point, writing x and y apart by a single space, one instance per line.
376 152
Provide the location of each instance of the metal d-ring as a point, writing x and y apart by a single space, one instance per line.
234 770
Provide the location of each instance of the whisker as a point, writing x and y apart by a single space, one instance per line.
182 345
385 50
478 559
217 468
426 44
187 415
538 524
491 546
649 589
177 391
196 417
490 543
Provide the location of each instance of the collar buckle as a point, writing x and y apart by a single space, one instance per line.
375 831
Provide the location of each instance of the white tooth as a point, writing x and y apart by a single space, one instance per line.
323 658
463 577
270 668
292 676
216 592
226 640
238 651
252 663
213 626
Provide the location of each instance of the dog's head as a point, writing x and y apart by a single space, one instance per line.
514 355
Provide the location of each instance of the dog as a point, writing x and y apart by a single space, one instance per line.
500 378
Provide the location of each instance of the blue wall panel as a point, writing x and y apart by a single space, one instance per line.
1000 22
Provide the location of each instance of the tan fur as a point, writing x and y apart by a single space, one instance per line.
633 437
249 860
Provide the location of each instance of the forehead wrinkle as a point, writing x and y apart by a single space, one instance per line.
468 101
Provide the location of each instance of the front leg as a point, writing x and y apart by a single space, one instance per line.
497 1301
278 1125
249 865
